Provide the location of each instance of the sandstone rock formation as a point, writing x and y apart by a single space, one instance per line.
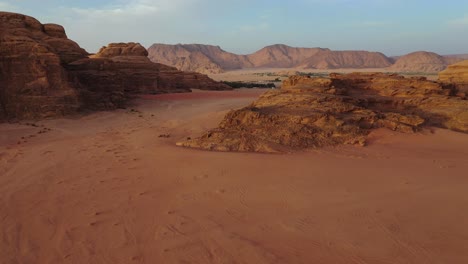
327 59
281 56
122 49
212 59
44 74
420 61
343 109
123 69
456 74
198 58
33 82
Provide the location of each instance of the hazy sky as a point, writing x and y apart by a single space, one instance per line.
393 27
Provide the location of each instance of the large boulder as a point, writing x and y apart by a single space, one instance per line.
315 112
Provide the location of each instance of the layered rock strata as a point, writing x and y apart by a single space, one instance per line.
456 74
33 82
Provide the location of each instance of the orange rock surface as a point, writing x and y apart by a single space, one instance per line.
343 109
457 74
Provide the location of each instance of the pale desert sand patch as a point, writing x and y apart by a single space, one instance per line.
105 188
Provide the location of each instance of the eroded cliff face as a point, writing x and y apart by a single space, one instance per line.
204 59
108 78
45 74
33 82
343 109
456 74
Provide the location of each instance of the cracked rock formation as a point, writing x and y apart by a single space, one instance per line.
342 109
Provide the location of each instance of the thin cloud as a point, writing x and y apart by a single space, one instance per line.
372 24
254 28
459 22
132 8
244 25
145 21
7 7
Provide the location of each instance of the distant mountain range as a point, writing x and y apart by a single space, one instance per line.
210 59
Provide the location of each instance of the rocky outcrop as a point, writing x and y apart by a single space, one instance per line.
67 49
456 74
343 109
122 49
420 61
33 83
45 74
122 69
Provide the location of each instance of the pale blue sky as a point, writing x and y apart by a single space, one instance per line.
393 27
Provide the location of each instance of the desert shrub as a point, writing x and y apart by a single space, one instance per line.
236 85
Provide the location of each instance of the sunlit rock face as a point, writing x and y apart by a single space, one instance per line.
456 74
342 109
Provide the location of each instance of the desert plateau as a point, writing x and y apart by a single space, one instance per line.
145 152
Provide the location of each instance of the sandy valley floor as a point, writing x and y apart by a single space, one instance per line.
105 188
270 74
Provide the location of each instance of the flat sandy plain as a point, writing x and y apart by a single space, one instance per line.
270 74
105 188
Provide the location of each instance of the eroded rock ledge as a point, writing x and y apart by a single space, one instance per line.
342 109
